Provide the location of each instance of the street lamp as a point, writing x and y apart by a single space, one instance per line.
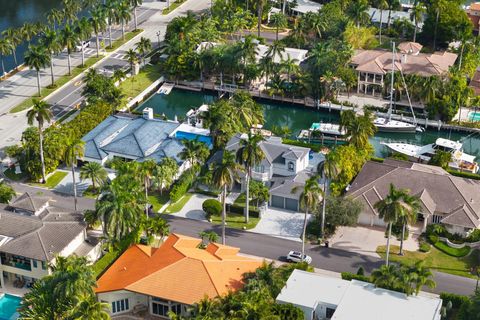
158 36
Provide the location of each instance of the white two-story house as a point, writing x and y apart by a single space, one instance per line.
32 233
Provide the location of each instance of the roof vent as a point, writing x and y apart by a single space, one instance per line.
148 113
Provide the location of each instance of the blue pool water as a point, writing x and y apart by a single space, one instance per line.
192 136
8 307
474 116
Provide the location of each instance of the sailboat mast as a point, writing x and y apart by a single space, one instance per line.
391 82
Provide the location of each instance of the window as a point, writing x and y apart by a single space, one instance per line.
436 218
44 265
291 166
177 308
120 306
159 309
35 263
330 312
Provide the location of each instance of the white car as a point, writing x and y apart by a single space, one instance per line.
82 45
295 256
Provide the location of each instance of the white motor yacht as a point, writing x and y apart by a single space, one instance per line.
460 160
325 132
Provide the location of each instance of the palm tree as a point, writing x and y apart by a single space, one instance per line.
132 58
156 226
15 38
97 20
95 172
83 29
211 236
147 171
329 169
421 276
250 155
278 21
165 173
382 5
386 276
416 15
110 9
5 49
90 308
70 10
359 129
41 113
28 31
290 66
123 15
37 58
50 42
309 199
118 75
194 151
358 11
54 17
68 38
260 5
408 216
223 176
135 4
143 47
390 209
74 150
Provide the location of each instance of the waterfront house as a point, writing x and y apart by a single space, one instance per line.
32 232
372 66
446 199
323 297
172 277
138 138
473 12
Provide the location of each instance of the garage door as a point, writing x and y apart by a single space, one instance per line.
378 222
277 202
291 204
365 219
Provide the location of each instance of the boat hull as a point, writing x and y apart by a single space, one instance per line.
396 129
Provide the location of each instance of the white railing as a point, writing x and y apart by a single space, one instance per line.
460 245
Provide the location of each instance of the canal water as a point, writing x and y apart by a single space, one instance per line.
13 13
178 102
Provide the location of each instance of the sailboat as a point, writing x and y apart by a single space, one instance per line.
389 125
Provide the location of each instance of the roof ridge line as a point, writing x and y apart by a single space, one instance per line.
41 244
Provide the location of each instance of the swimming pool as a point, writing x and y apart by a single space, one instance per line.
474 116
8 307
193 136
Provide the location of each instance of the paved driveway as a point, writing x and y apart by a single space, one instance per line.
193 208
365 241
281 223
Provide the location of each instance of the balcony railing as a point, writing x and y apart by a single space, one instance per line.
18 264
260 176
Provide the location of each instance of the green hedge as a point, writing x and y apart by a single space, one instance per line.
212 207
106 261
377 159
352 276
314 147
454 252
234 208
461 174
183 184
456 299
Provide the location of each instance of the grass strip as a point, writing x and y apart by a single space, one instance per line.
172 7
53 180
177 206
236 221
120 42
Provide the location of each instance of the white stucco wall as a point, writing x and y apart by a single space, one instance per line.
73 245
133 299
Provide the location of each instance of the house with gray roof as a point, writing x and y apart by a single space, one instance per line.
33 232
446 199
139 138
283 168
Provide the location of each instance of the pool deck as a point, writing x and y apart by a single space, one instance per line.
10 289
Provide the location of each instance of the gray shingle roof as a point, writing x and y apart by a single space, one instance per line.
439 191
289 187
29 203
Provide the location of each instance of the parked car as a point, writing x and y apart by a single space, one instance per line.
295 256
82 45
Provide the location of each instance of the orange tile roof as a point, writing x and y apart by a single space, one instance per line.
178 270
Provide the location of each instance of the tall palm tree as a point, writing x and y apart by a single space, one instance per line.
194 151
134 4
5 49
75 149
418 10
143 47
41 113
70 10
329 169
110 9
97 20
54 17
359 129
223 176
409 215
381 5
147 171
37 58
309 200
68 38
123 15
50 42
95 172
260 5
290 66
390 209
91 308
83 29
28 31
250 155
14 36
132 58
358 11
278 21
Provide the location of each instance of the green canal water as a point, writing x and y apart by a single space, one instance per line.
178 102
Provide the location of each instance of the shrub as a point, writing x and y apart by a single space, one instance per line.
454 252
474 236
456 299
352 276
212 207
6 193
377 159
238 209
183 184
314 147
360 271
432 238
424 247
461 174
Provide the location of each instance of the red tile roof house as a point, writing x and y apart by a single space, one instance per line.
172 277
473 13
373 65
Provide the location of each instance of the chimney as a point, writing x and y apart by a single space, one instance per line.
148 113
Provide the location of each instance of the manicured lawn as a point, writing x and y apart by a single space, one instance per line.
177 206
10 174
133 86
52 180
240 201
173 6
236 221
58 83
128 36
157 200
435 259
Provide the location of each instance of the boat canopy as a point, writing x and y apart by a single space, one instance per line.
445 143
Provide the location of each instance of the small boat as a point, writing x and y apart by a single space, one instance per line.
324 133
460 160
258 129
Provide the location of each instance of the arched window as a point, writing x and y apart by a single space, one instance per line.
291 166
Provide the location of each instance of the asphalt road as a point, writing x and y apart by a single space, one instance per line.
324 258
